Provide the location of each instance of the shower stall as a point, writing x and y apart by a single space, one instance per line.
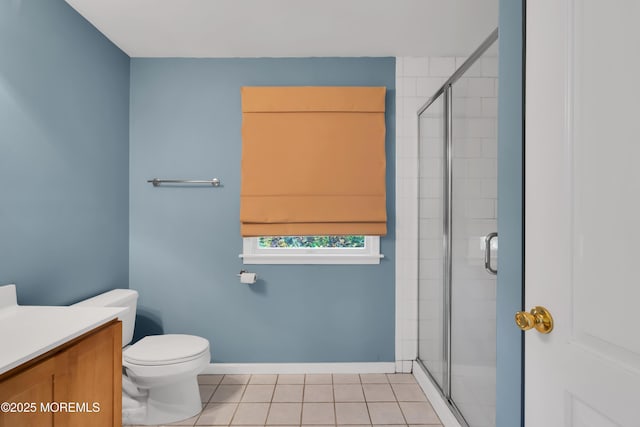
457 237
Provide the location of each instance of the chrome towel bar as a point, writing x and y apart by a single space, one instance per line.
157 181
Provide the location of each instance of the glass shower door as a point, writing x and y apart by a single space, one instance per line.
432 337
474 217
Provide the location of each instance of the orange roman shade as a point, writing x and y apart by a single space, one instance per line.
313 161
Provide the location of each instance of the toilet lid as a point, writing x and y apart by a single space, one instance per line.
165 349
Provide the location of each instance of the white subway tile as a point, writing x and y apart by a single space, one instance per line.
479 128
431 208
489 107
489 188
481 227
430 249
430 288
480 87
399 66
430 268
467 188
431 168
460 168
441 66
482 168
431 148
407 188
467 147
408 86
489 148
411 105
431 188
431 127
411 126
415 66
490 66
410 349
407 167
411 330
474 71
403 145
427 86
460 60
480 208
467 107
431 228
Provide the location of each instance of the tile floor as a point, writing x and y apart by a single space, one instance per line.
313 400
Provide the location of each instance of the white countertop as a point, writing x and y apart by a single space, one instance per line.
29 331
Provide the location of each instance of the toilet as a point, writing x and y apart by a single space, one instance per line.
160 372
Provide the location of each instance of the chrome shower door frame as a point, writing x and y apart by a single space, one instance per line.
446 91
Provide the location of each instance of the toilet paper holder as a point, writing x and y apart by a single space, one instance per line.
247 277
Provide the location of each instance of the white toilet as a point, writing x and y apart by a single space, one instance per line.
160 383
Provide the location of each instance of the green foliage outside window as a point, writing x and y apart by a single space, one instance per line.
311 242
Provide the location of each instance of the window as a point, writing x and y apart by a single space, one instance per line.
311 250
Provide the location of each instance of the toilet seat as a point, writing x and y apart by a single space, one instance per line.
157 350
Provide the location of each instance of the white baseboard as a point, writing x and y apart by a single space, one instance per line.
434 396
301 368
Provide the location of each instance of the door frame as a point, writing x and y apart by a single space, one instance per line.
510 285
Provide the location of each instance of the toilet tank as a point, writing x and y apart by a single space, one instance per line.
127 298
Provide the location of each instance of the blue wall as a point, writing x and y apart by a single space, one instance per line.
64 108
184 242
510 213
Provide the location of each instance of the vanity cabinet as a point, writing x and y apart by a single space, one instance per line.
78 384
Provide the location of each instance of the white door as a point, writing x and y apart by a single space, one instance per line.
582 204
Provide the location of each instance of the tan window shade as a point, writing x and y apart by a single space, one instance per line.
313 161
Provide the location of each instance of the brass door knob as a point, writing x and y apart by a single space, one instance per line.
538 318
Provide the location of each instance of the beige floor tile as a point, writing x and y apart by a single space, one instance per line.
288 393
284 414
419 413
206 391
291 379
401 378
318 379
236 379
385 413
425 425
346 379
210 379
318 393
318 413
378 393
408 393
217 414
352 413
374 378
258 393
189 421
348 393
226 393
263 379
251 414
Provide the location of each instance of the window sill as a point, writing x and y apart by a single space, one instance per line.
311 259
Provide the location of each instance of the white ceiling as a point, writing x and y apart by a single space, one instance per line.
277 28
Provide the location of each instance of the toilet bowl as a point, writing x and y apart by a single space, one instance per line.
160 382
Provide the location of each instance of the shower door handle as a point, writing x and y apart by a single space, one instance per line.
487 253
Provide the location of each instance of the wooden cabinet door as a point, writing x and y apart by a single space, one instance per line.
89 376
23 394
